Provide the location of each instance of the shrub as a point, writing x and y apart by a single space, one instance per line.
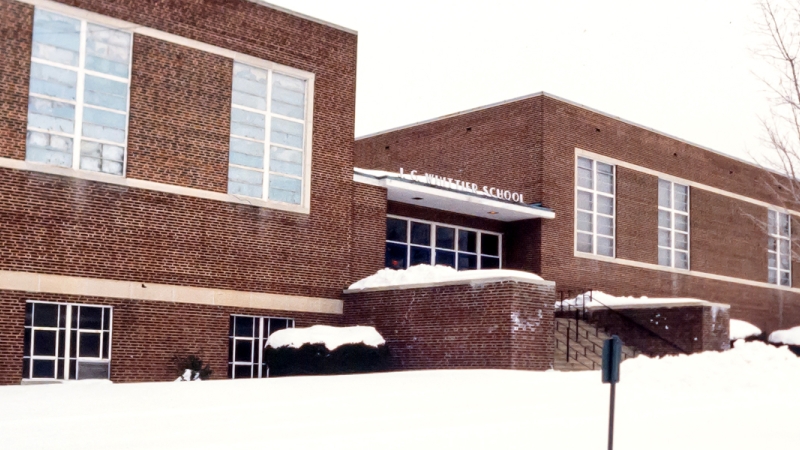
193 363
316 359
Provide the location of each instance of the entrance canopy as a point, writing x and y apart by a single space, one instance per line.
452 195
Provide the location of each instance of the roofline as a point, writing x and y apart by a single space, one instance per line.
579 105
303 16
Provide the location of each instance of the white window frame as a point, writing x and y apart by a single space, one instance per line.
259 345
433 247
774 232
70 308
594 193
77 135
308 111
672 229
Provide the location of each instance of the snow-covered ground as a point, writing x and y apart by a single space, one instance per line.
746 398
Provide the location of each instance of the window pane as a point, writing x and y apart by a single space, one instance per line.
56 38
420 233
772 244
605 205
664 194
784 247
785 280
246 153
245 182
605 182
772 260
26 346
772 276
243 350
681 241
106 93
585 243
51 115
286 161
89 345
243 326
772 222
91 318
284 132
420 255
48 149
249 86
664 257
681 197
243 371
467 241
605 226
681 260
445 237
288 96
605 246
785 262
107 50
681 222
99 157
665 219
277 324
248 124
53 81
664 238
490 244
584 163
395 256
45 315
490 263
104 125
44 343
467 262
585 178
90 370
396 230
445 258
585 201
784 224
44 368
284 189
247 190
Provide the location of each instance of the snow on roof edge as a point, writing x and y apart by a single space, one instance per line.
331 337
424 275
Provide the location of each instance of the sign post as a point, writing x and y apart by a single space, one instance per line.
612 356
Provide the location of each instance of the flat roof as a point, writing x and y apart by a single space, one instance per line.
304 16
570 102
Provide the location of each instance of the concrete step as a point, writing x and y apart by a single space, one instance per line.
585 352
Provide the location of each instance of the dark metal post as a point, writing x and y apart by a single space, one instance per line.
611 418
577 313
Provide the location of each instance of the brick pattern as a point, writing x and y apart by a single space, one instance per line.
500 325
637 217
369 230
180 115
145 336
663 331
16 28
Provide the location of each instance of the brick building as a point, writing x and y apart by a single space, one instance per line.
180 177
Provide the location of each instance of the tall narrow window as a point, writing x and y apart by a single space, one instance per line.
779 249
594 203
78 96
410 242
66 341
267 149
673 224
248 336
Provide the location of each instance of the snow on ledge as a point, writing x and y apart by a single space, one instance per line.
789 337
332 337
739 329
425 275
599 299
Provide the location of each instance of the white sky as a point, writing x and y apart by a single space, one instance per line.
682 67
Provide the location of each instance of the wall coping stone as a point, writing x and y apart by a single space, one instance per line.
473 283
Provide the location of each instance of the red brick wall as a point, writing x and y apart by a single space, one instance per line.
180 106
637 216
180 115
369 230
667 331
145 336
16 28
500 325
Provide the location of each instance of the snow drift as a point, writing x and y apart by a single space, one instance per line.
424 273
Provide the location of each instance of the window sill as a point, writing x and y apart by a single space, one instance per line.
149 185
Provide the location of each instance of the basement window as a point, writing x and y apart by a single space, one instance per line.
78 94
66 341
247 341
594 207
268 145
779 249
673 224
410 242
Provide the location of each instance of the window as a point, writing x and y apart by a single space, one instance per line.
673 224
594 203
78 96
66 342
779 249
410 242
268 123
248 337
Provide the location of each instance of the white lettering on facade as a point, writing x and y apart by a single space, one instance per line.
461 185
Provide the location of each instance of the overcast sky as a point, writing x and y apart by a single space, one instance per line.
682 67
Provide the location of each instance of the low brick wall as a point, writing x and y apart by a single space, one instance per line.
667 329
498 324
